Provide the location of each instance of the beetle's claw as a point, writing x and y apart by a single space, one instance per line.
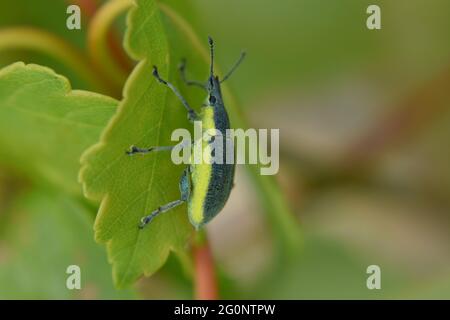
146 220
143 223
132 150
182 65
156 75
155 72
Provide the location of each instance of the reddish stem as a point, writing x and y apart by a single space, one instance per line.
205 276
89 7
118 53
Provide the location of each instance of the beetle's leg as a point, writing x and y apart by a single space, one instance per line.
147 219
185 184
185 190
192 115
135 150
182 69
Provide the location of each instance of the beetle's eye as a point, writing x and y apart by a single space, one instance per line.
212 99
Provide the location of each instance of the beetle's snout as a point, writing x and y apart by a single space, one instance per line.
211 82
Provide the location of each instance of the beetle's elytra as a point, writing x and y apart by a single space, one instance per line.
205 187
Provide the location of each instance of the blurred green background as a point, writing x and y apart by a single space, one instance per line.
364 119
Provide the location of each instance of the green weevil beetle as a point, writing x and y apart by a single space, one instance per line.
205 186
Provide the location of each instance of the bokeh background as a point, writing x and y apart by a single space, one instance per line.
364 119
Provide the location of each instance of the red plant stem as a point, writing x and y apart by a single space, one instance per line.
118 53
89 8
205 276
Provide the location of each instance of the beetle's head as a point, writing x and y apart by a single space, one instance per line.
213 85
213 88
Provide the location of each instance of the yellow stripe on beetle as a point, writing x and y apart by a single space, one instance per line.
201 174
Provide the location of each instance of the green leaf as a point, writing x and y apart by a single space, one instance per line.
45 126
48 232
131 187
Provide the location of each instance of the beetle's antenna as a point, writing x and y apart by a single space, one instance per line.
236 65
211 49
